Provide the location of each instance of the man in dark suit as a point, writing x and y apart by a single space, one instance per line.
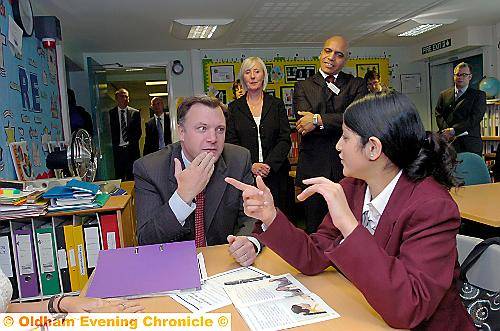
157 128
180 190
319 103
126 131
460 110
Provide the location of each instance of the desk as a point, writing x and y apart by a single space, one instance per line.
331 286
479 203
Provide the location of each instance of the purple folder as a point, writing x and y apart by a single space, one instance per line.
28 274
145 270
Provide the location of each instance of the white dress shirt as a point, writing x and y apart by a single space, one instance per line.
375 207
257 121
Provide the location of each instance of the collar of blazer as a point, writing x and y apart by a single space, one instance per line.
215 188
390 216
245 109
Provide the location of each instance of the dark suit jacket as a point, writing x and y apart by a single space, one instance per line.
155 183
274 131
134 130
317 153
464 114
407 270
151 140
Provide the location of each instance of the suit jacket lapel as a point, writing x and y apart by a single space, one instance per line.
325 91
214 191
266 106
175 154
245 110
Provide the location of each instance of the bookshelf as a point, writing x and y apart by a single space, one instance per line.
490 130
91 230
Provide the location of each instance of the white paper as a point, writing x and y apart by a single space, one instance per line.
201 267
275 288
277 303
62 260
5 259
287 313
25 254
410 83
81 265
111 237
45 252
15 35
92 246
72 258
333 88
212 295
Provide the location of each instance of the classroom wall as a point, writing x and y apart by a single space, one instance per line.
29 100
191 81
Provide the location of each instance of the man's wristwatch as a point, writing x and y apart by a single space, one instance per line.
315 119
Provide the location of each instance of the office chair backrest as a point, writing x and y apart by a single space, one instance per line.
485 273
472 169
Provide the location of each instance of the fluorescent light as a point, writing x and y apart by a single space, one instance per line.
200 28
157 82
201 31
134 69
419 30
160 94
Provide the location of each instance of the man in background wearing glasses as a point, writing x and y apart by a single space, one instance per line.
460 110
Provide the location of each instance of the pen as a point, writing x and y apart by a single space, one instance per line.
247 280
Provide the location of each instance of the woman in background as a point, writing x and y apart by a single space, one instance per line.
391 223
237 90
258 122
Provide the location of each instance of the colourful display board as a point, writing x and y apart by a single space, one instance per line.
218 76
29 99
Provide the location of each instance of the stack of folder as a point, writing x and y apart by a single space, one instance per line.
75 195
15 203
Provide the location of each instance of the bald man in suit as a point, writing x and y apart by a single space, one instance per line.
319 103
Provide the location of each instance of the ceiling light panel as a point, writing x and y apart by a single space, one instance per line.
419 30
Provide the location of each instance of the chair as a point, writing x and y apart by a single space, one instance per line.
472 169
485 273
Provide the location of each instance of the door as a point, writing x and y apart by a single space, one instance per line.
441 78
101 102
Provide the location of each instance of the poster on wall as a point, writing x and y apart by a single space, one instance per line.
361 69
29 103
298 73
21 160
287 97
222 74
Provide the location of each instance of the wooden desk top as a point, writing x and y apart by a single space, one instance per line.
479 203
114 203
331 286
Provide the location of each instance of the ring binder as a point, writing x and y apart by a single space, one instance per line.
145 270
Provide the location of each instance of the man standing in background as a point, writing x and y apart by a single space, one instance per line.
125 123
319 103
460 110
157 128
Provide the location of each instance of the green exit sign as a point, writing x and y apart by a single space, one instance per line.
436 46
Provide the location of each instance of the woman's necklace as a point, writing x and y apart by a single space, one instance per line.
256 108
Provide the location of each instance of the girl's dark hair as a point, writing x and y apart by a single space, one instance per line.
394 120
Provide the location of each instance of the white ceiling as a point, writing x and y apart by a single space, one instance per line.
131 25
